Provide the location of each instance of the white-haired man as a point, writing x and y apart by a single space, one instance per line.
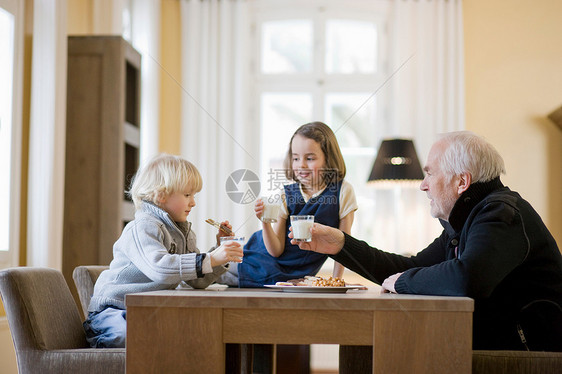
494 248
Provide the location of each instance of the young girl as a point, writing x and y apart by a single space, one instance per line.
315 163
156 250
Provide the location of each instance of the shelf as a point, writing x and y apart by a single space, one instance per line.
102 147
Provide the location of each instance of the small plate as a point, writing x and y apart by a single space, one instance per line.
317 289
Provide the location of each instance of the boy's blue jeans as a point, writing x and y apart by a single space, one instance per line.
106 329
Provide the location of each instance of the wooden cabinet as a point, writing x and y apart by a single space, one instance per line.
102 147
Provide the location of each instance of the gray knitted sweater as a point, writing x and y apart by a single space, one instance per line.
153 253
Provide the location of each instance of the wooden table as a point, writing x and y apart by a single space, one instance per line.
185 331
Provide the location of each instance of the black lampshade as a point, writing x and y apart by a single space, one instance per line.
396 160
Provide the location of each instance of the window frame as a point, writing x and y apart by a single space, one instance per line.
11 256
319 84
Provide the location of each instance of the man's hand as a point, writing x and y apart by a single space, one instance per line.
325 239
388 284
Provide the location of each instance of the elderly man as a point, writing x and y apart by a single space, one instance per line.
494 248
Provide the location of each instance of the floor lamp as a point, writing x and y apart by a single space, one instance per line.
396 165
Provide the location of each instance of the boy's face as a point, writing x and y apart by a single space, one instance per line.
179 204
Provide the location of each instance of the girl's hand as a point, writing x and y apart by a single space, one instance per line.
259 208
221 233
228 251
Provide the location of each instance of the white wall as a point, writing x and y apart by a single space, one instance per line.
513 81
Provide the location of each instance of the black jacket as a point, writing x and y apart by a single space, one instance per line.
495 249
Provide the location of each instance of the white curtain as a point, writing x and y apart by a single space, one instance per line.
426 99
428 91
47 134
218 134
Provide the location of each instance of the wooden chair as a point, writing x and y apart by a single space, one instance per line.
523 362
46 325
358 359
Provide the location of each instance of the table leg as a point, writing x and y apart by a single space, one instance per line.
422 342
172 340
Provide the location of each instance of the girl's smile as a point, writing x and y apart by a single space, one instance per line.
308 163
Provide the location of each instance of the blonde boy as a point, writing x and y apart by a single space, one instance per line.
157 250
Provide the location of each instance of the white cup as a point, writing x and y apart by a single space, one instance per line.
239 239
301 228
270 211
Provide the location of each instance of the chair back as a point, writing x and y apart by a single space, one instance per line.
85 278
41 311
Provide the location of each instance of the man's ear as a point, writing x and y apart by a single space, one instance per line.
465 180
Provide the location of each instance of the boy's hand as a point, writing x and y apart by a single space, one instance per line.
221 233
228 251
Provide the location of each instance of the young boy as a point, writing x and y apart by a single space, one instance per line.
157 250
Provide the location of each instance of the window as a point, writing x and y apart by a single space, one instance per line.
9 134
322 61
